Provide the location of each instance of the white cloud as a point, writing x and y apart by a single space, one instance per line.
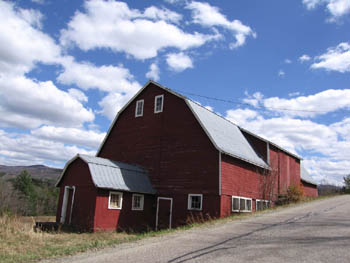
113 25
22 44
38 103
241 116
74 136
78 95
112 103
287 61
207 15
312 105
105 78
25 148
40 2
304 58
153 72
254 99
281 73
165 14
335 59
336 8
179 61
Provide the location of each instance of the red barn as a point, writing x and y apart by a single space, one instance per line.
308 184
183 163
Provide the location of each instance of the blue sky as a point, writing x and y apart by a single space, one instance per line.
280 69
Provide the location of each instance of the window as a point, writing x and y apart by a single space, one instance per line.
137 202
195 201
115 200
241 204
139 108
262 204
158 103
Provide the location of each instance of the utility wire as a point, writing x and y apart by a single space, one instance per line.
246 104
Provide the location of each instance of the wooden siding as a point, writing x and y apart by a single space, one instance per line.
171 145
310 190
125 218
78 175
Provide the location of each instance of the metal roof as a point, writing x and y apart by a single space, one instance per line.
114 175
225 135
305 176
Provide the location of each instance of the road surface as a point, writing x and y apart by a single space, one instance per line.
318 231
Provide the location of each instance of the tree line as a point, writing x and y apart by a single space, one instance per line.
26 196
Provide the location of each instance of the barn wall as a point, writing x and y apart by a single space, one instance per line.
286 168
171 145
242 179
125 218
309 189
78 175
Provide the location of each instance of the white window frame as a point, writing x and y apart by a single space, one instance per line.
267 203
155 103
141 202
137 105
189 202
121 200
239 204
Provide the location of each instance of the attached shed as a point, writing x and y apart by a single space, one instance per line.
97 193
309 185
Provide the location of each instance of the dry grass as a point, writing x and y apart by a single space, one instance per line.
19 242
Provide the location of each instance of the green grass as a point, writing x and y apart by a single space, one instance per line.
19 243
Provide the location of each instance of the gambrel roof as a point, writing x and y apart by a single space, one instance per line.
114 175
226 136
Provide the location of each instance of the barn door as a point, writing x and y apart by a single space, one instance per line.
67 205
164 212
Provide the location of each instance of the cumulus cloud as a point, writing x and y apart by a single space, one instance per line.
312 105
304 58
207 15
179 61
78 94
74 136
281 73
22 44
29 149
336 8
153 72
38 103
113 102
335 59
287 61
113 25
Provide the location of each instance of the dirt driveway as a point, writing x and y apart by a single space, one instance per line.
313 232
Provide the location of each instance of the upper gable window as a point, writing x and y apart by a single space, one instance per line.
158 103
139 108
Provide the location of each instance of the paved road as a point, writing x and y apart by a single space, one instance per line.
314 232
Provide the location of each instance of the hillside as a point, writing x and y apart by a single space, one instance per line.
40 172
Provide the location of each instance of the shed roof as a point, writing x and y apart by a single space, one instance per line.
305 176
114 175
226 136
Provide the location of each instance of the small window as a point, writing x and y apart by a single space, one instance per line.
115 200
158 103
137 202
241 204
262 204
139 108
195 201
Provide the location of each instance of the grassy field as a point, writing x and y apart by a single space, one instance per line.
20 243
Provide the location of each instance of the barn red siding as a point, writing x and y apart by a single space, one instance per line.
78 175
309 189
239 178
171 145
125 218
286 167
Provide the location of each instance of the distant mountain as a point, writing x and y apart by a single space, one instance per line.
40 172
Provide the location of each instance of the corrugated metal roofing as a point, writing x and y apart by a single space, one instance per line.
304 175
225 135
110 174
